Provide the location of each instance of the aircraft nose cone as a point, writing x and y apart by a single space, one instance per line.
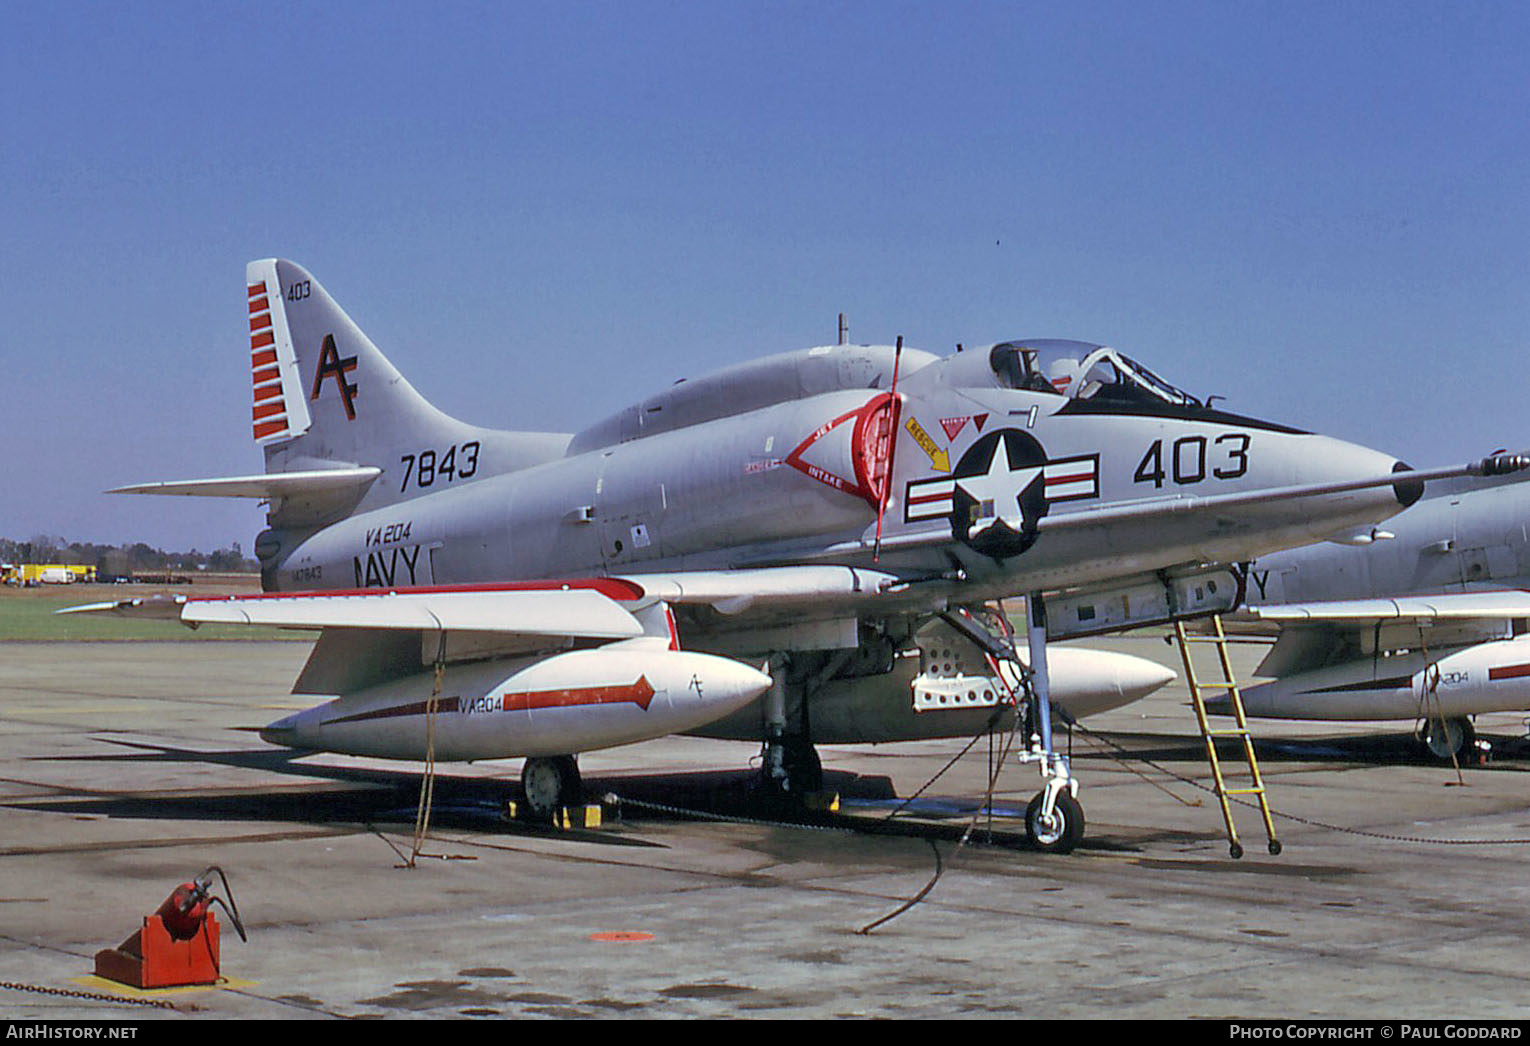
718 684
1407 491
745 682
1322 460
1085 682
293 731
282 732
1142 678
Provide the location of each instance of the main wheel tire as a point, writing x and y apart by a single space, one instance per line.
549 784
1065 829
804 770
1452 738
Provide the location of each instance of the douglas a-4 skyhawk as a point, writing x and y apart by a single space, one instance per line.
803 548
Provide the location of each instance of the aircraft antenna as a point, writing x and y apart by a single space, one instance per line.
887 458
844 330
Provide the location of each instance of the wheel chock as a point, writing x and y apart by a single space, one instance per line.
153 958
580 816
821 802
567 818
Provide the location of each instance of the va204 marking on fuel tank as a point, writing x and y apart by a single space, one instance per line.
332 366
999 490
480 705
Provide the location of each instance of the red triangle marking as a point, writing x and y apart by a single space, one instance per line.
954 425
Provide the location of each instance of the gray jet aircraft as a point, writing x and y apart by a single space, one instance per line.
1424 620
818 536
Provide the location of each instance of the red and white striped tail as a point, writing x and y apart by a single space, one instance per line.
279 411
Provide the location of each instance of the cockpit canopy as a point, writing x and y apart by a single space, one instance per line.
1079 370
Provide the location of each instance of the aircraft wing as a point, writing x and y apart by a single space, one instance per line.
587 611
587 608
1319 634
594 607
725 611
369 637
1421 610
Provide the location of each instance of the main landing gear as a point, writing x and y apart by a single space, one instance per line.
792 767
790 770
1448 738
548 784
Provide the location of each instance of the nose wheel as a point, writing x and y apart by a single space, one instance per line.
1058 832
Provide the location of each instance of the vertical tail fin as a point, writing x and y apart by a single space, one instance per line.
326 397
280 412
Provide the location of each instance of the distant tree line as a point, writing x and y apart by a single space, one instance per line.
113 561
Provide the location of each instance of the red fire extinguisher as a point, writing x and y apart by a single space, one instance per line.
178 944
186 908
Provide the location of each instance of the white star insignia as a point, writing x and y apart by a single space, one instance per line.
997 491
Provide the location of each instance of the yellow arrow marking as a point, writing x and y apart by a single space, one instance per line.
940 461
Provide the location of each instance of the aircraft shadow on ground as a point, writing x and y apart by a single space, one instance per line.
370 796
1505 753
364 795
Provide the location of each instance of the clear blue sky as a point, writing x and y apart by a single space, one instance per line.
542 212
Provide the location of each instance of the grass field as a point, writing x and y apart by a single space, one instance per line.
28 615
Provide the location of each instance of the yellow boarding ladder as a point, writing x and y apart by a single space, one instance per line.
1228 685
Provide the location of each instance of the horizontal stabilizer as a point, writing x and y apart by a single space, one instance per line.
273 485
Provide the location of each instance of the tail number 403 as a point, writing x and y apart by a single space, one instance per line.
1189 457
427 467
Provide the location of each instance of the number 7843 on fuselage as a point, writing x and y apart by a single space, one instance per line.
800 548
